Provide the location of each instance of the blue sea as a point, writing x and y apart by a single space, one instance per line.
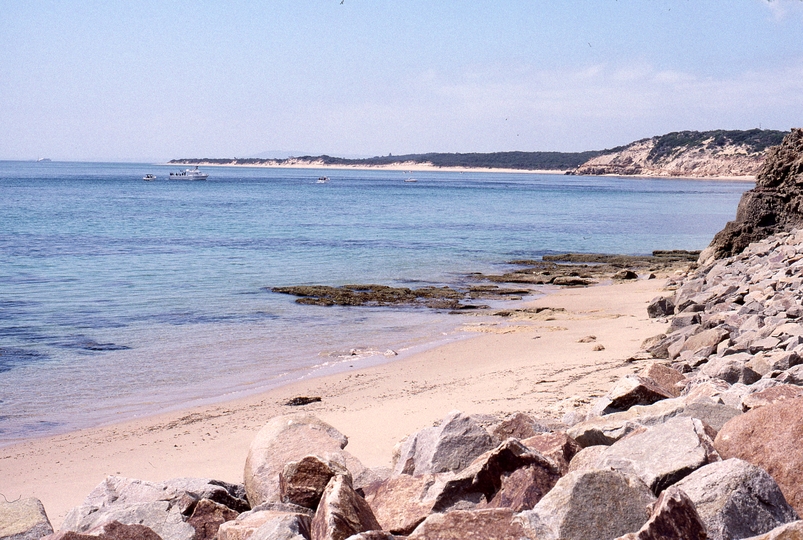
120 298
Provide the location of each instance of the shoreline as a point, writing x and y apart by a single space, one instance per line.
420 167
530 364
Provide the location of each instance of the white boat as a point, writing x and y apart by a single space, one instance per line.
149 177
322 180
189 174
410 180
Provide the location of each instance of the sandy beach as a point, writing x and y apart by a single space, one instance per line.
427 167
533 363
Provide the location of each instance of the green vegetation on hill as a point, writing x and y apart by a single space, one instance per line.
756 140
552 161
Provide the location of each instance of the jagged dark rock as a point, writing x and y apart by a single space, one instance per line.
774 205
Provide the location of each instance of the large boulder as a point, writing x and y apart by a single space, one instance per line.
771 395
770 437
341 513
164 518
612 427
23 519
113 530
270 521
492 479
302 482
450 446
634 390
495 524
674 517
662 454
591 505
509 476
772 206
207 517
282 440
556 445
736 499
403 501
664 376
164 507
518 426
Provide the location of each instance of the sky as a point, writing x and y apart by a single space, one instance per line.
87 80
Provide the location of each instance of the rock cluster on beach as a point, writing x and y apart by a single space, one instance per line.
702 441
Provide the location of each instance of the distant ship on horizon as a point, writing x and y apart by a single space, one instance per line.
43 160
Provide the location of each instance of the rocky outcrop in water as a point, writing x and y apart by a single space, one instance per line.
774 205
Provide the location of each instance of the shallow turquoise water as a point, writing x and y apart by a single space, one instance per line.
120 297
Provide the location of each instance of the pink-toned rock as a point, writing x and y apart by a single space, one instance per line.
266 523
207 517
519 426
523 488
674 517
496 524
587 458
282 440
706 340
302 482
113 530
481 481
509 475
770 437
664 376
790 531
634 390
341 513
771 395
401 502
557 446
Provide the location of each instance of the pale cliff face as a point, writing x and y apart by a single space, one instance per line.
706 160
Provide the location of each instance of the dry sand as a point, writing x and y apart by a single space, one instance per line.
428 167
533 364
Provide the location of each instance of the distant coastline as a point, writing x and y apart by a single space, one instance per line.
426 167
712 155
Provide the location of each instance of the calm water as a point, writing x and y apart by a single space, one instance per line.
120 297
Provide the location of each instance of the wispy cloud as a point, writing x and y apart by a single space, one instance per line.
782 9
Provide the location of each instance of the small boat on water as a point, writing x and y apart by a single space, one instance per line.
149 177
189 174
410 180
322 180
